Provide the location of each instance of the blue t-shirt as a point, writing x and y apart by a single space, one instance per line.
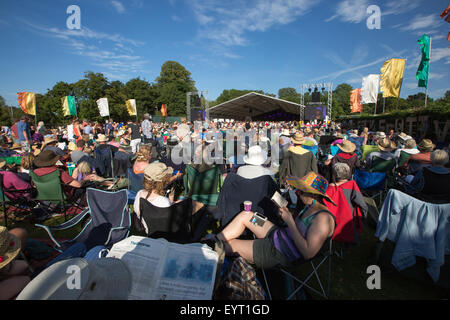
21 127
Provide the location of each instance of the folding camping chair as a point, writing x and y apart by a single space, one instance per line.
203 187
107 221
50 191
325 253
135 184
371 184
19 205
173 223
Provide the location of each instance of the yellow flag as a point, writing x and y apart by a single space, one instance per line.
27 102
131 107
391 77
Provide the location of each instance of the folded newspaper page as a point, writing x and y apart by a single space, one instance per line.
162 270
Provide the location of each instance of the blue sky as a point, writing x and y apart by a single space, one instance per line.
225 44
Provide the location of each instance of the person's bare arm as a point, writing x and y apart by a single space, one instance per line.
75 184
317 233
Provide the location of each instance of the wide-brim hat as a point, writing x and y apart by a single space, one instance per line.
256 156
156 171
298 138
347 146
79 279
101 138
426 145
72 146
46 158
16 146
384 144
9 247
311 183
285 132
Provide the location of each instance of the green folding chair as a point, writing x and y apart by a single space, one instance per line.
203 187
404 156
368 149
50 190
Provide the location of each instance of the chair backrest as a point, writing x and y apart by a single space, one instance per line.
382 165
136 181
3 196
368 149
436 185
49 187
203 186
173 223
404 156
105 158
313 149
237 189
369 180
110 218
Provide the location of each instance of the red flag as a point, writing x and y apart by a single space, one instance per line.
164 110
445 12
355 101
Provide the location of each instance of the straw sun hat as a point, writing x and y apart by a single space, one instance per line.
256 156
311 183
347 146
384 144
298 138
426 145
9 247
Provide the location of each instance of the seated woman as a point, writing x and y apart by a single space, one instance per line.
144 155
13 273
11 181
300 239
156 178
84 172
347 156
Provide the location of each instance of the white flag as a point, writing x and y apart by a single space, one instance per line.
103 107
370 88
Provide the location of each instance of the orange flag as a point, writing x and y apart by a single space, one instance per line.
355 101
164 110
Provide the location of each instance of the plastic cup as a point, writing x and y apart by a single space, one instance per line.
248 206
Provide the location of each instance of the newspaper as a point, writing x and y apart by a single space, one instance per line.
162 270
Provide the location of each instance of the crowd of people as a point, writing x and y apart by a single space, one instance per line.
310 164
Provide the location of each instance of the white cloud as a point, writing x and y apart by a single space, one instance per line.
118 6
111 52
420 22
399 6
227 22
439 54
353 11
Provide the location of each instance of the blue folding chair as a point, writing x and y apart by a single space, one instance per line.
107 217
358 142
314 149
371 184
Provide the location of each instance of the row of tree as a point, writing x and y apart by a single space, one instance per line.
170 88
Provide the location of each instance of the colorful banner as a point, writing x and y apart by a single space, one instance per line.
422 71
27 102
355 101
131 107
103 107
370 88
392 77
164 110
68 105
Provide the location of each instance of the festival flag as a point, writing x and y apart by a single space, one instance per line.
68 105
355 101
164 110
370 88
392 77
131 107
103 107
422 71
27 102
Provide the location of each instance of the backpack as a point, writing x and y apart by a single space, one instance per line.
239 282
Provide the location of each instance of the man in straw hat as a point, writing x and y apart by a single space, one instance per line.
13 273
298 161
385 152
300 239
423 158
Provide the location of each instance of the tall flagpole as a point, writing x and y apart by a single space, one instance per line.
428 80
35 112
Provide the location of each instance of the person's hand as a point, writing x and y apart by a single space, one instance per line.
285 214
